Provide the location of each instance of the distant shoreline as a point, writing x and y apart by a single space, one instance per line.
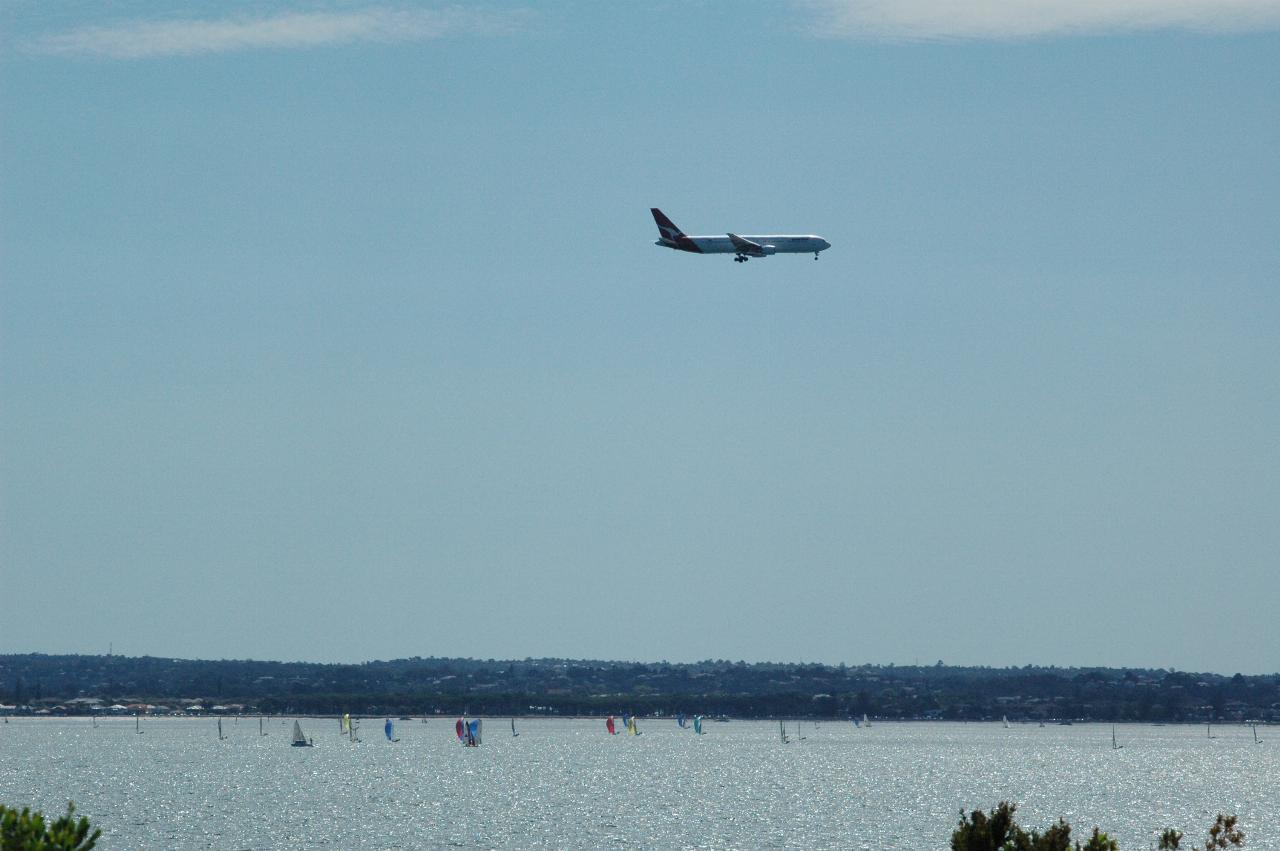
650 718
568 688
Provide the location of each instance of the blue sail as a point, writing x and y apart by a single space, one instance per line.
697 724
388 729
680 720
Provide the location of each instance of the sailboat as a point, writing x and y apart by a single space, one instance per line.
782 732
137 724
1004 719
608 725
220 736
1115 746
261 731
1256 740
631 725
468 732
697 724
680 721
390 730
344 724
1208 730
866 722
513 728
353 726
95 723
299 740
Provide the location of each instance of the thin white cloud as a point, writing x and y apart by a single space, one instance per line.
1021 19
187 37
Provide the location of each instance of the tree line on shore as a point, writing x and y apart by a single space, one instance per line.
591 687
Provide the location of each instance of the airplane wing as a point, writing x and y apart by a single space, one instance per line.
746 246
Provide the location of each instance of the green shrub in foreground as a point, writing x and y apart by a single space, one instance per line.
26 831
1223 834
999 831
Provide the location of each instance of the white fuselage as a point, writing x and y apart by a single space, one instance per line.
776 244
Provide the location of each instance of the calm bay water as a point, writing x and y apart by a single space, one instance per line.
567 784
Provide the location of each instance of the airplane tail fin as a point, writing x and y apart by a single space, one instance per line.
666 227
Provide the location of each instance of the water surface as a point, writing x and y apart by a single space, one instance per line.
567 784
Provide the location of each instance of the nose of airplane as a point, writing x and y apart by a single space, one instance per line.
825 245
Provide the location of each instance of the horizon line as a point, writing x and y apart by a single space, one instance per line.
512 660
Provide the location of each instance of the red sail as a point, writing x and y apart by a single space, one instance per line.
608 725
459 728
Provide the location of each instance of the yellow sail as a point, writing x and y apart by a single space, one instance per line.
346 723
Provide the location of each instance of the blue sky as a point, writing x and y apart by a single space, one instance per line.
336 331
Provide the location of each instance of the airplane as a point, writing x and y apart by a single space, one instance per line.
743 248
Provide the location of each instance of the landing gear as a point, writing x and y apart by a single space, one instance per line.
815 255
740 258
